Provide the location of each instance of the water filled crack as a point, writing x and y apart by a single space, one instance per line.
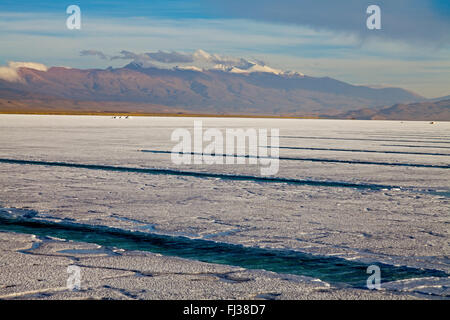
330 269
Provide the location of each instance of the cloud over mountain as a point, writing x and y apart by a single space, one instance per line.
9 73
200 58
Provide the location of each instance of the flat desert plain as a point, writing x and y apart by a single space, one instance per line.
103 194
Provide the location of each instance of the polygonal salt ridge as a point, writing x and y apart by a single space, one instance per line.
293 278
17 213
428 286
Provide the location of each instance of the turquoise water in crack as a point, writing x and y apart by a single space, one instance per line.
330 269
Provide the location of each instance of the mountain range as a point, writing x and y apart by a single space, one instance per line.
259 90
429 110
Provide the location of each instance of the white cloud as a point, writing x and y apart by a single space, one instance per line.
10 72
200 57
198 60
29 65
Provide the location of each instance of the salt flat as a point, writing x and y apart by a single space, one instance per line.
406 223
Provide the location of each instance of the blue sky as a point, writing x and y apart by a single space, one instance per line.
318 38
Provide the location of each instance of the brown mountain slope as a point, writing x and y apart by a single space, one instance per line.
427 111
203 92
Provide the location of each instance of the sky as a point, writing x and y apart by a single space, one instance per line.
314 37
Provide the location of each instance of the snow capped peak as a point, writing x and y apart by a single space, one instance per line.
237 70
191 68
255 67
261 68
202 55
201 61
293 74
222 67
219 67
230 69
